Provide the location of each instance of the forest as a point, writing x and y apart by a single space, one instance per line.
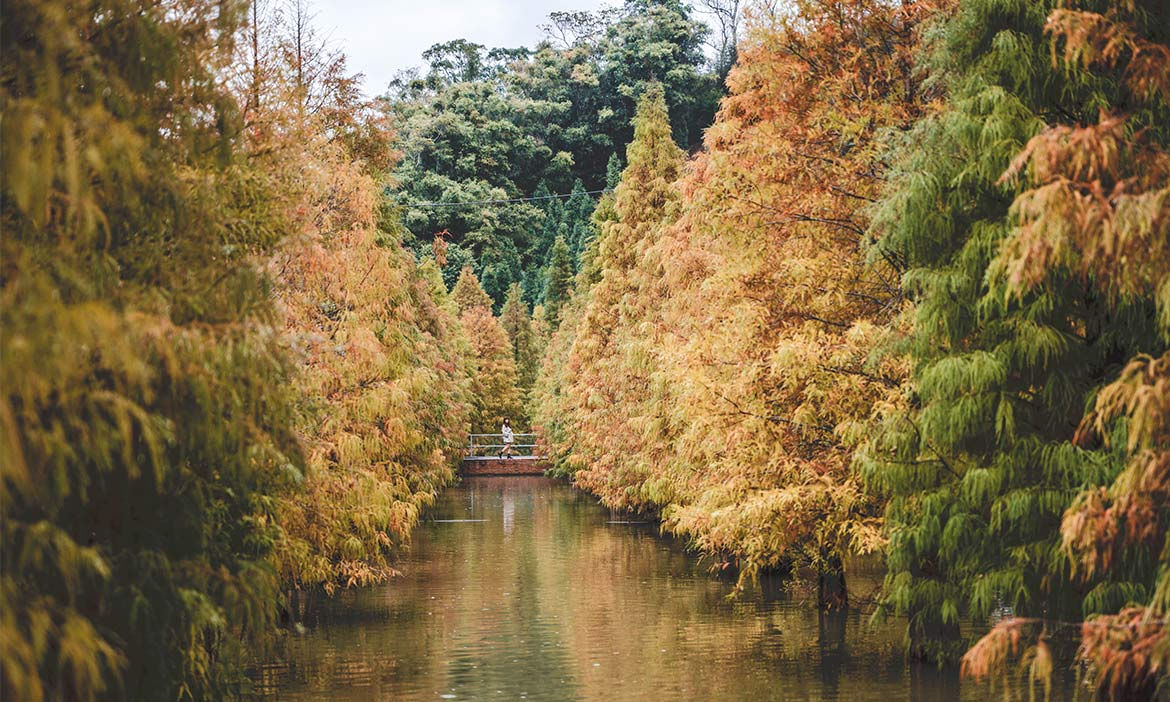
804 283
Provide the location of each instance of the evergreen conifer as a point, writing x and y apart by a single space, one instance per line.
518 324
613 171
579 220
559 281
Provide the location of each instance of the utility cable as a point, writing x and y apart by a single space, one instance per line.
505 201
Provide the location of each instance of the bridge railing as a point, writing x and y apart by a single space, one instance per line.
490 445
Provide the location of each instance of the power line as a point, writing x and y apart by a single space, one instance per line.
499 202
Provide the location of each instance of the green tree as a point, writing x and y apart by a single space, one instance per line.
542 198
517 323
980 470
589 264
538 254
500 266
458 258
656 41
558 281
495 125
1117 537
554 217
596 65
578 218
471 142
456 61
613 171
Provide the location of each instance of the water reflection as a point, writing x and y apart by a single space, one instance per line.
521 588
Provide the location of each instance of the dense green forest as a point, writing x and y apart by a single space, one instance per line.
865 279
480 124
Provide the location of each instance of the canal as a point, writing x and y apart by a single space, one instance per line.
522 588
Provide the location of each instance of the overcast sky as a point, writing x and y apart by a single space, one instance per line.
381 37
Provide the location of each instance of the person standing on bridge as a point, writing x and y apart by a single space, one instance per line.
509 437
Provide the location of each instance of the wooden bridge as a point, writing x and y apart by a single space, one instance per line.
483 456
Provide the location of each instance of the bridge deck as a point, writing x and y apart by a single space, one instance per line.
491 465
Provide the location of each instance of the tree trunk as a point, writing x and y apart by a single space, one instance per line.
255 33
312 598
294 604
834 656
932 639
831 592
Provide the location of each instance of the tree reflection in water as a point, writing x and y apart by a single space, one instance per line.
550 598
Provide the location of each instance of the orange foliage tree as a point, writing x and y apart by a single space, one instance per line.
383 369
602 390
495 381
775 306
724 367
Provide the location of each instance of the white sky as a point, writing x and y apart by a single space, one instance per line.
382 37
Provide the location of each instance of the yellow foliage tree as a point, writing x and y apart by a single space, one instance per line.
496 395
383 374
525 344
468 292
723 371
495 382
605 407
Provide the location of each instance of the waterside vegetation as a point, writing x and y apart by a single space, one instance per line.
879 279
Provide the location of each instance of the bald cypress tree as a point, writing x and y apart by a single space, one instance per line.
495 393
495 383
468 293
981 468
645 196
1096 208
595 403
146 403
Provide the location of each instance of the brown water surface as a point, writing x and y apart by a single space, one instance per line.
524 589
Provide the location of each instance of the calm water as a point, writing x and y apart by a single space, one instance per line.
522 588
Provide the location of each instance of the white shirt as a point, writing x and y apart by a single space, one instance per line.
507 432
